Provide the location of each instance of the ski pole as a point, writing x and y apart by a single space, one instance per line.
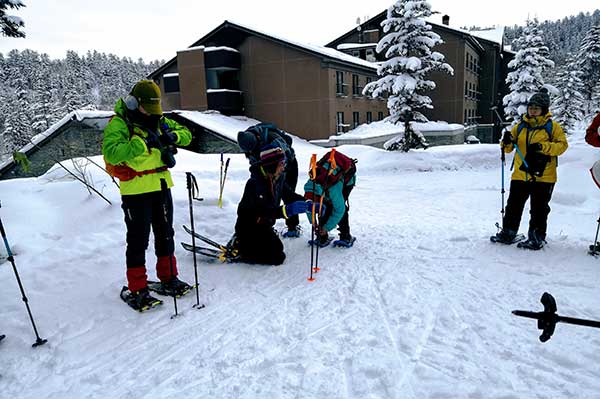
39 341
548 318
595 245
192 187
223 183
313 175
163 189
220 183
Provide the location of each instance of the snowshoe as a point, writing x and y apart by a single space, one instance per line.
292 233
345 243
594 250
534 245
174 287
2 337
140 301
320 243
507 237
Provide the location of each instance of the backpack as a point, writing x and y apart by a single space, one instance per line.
547 128
332 167
536 162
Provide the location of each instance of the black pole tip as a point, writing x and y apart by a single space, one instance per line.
39 342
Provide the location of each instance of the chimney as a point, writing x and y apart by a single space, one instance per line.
446 20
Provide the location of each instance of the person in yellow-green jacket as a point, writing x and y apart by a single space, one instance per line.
138 148
538 141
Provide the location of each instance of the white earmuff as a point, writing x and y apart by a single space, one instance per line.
131 102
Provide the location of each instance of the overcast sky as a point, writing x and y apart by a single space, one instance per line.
156 29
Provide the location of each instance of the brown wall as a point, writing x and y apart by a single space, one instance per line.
284 86
192 79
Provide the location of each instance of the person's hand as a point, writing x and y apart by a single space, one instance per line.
319 208
167 138
295 208
535 147
152 141
507 138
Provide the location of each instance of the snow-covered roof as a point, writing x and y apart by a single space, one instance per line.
348 46
223 91
382 128
326 51
495 35
170 75
226 126
36 140
191 49
223 48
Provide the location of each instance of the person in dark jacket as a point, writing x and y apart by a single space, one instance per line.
256 137
255 238
540 148
592 136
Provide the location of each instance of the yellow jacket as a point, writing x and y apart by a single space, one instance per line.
533 131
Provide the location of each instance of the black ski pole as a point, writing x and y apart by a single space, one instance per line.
192 187
39 341
163 189
548 318
595 246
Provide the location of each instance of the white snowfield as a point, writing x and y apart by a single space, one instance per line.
420 307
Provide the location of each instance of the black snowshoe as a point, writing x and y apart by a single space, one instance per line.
2 337
534 242
507 237
141 300
320 243
594 250
344 242
174 287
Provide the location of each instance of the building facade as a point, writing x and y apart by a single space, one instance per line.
310 91
478 59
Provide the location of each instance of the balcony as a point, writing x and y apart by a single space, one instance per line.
226 101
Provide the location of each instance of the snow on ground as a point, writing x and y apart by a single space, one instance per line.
419 308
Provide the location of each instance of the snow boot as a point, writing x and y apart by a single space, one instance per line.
140 300
507 237
535 241
173 287
321 242
292 232
345 241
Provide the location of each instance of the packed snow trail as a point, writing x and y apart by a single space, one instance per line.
420 307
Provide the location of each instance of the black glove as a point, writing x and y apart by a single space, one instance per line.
152 141
167 138
535 147
507 138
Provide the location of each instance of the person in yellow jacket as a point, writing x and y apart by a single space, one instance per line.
538 141
138 148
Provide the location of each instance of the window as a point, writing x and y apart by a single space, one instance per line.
339 83
369 117
466 121
339 118
356 89
356 53
370 55
380 115
171 82
355 120
466 89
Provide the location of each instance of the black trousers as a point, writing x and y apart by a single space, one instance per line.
291 180
344 224
261 245
540 194
142 212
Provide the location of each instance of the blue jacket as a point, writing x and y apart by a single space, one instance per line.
334 198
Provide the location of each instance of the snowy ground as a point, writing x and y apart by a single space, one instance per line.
419 308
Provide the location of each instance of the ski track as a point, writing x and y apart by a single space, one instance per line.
402 314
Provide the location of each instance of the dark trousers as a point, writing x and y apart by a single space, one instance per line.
260 245
291 180
540 194
344 224
143 211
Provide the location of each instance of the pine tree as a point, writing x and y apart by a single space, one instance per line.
409 62
595 100
568 106
10 25
17 131
589 60
527 68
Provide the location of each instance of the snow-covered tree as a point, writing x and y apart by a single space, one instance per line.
17 131
568 107
589 60
595 100
11 25
528 66
405 75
